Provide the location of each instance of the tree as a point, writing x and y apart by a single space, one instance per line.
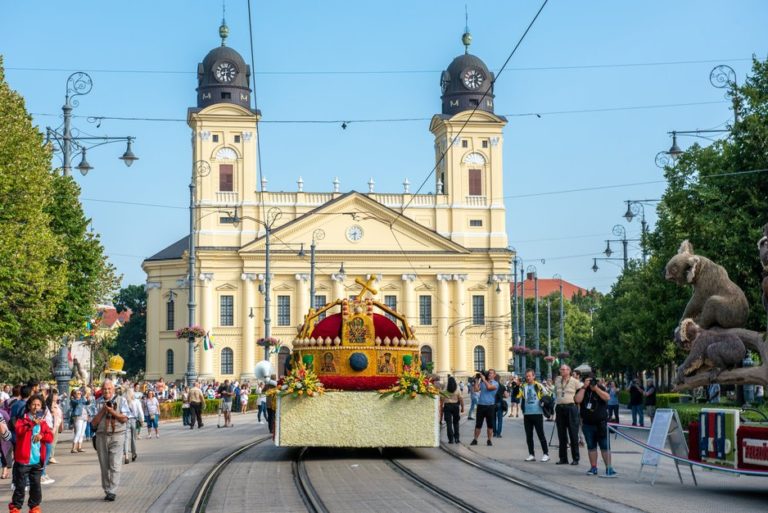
715 197
32 257
131 341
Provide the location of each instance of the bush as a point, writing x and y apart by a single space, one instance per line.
665 400
624 397
172 409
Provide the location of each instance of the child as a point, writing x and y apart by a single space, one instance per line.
32 435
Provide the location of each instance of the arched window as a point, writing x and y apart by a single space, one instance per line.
426 355
227 361
282 356
169 361
479 358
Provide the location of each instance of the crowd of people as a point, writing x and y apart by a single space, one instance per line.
581 406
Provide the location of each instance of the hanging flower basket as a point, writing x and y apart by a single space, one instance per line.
269 341
563 354
535 353
190 331
549 358
519 349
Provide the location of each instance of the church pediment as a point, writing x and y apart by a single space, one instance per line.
282 287
478 287
225 287
390 287
355 222
423 288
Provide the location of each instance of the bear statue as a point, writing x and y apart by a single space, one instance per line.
716 300
762 247
711 350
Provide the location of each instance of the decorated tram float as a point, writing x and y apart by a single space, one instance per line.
356 381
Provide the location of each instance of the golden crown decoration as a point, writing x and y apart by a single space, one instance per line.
115 365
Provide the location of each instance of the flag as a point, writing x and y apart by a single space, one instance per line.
207 341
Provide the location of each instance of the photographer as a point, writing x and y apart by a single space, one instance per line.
110 422
593 401
485 386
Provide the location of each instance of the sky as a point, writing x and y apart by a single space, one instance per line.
590 95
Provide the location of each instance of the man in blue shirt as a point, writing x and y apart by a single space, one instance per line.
486 386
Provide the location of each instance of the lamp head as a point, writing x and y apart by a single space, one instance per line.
674 150
608 251
594 265
128 157
84 166
629 215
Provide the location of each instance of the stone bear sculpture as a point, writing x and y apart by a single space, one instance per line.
716 300
762 247
711 350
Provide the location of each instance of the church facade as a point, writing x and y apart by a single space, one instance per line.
439 258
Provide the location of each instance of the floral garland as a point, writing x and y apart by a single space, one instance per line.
549 358
269 341
300 382
187 331
535 353
520 350
410 384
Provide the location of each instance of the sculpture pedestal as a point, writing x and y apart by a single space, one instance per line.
357 419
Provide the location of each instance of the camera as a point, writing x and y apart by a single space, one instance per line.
111 404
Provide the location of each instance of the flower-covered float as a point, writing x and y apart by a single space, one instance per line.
361 365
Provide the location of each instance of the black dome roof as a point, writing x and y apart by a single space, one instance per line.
467 84
223 77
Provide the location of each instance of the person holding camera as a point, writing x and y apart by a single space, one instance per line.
593 401
485 387
567 416
110 422
530 395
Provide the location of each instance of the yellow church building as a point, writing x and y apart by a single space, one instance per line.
440 258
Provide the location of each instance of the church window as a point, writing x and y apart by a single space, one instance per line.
227 361
283 310
226 96
320 302
473 103
169 361
479 354
227 311
215 138
226 178
464 143
476 223
170 314
391 301
237 138
426 355
475 182
485 143
425 310
478 310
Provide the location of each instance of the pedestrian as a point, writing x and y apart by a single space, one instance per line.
262 402
186 412
593 403
90 412
271 403
196 402
32 435
514 397
236 390
244 393
759 395
473 396
613 402
530 395
461 387
567 416
6 445
77 408
485 386
501 409
109 429
636 394
451 408
226 392
152 414
50 420
650 399
135 415
58 420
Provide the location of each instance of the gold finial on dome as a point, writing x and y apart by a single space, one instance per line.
466 38
223 29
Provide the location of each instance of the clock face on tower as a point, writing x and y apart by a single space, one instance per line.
472 78
445 80
225 72
354 233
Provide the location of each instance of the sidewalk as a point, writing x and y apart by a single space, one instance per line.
160 464
717 492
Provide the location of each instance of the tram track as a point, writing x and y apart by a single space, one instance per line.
307 491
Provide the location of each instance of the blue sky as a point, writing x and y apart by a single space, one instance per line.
579 56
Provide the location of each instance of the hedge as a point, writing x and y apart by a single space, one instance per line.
624 397
172 409
690 412
665 400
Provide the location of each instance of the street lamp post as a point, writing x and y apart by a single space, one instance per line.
635 207
80 84
531 269
618 231
523 356
200 169
549 338
317 235
516 323
562 314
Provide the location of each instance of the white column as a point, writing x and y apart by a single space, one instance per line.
302 298
154 310
409 307
249 327
460 358
500 342
208 311
443 347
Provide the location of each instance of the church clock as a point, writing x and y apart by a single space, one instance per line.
473 78
225 72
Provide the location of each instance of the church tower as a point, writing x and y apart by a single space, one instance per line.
224 152
468 154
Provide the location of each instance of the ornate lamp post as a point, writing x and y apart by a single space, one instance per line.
516 313
317 235
562 315
523 356
531 269
80 84
618 231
